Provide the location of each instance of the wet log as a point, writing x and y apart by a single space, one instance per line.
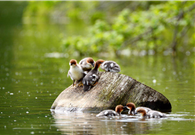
112 89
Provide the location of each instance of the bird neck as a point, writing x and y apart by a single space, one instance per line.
96 66
144 114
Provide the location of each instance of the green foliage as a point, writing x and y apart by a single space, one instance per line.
110 27
151 29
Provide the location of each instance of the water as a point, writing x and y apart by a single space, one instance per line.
33 73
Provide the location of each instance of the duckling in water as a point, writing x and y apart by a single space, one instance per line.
150 114
132 108
117 112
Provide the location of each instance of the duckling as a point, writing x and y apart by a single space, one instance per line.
150 114
87 64
110 66
132 108
92 76
109 113
75 72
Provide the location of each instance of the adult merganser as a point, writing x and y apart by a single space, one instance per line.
87 64
117 112
92 76
75 72
110 66
150 114
132 108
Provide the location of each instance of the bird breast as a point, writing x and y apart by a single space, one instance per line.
76 72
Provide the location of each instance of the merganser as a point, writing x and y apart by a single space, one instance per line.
132 108
75 72
110 66
150 114
117 112
92 76
87 64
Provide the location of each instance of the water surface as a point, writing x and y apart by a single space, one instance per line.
33 73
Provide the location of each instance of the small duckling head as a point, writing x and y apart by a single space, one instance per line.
119 109
98 63
73 62
91 61
131 107
141 111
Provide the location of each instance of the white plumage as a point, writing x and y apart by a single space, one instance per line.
75 72
110 66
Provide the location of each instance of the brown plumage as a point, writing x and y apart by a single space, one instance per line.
144 111
132 108
87 64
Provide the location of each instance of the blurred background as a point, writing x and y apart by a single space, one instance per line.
103 28
153 42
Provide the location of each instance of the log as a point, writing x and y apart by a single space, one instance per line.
112 89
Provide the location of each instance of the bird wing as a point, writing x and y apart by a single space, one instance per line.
89 80
69 74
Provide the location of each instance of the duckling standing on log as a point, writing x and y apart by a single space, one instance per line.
132 108
117 112
92 76
150 114
75 72
87 64
110 66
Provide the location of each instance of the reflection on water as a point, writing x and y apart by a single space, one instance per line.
88 123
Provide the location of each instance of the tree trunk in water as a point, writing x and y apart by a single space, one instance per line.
112 89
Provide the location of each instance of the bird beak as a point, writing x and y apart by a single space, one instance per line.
92 64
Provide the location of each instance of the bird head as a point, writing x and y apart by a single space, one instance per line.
91 61
119 108
73 62
131 107
141 111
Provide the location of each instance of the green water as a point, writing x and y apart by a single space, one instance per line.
32 76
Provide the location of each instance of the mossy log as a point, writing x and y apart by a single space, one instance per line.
112 89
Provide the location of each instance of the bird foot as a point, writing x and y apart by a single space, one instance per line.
95 84
80 84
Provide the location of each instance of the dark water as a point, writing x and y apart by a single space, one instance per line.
32 76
